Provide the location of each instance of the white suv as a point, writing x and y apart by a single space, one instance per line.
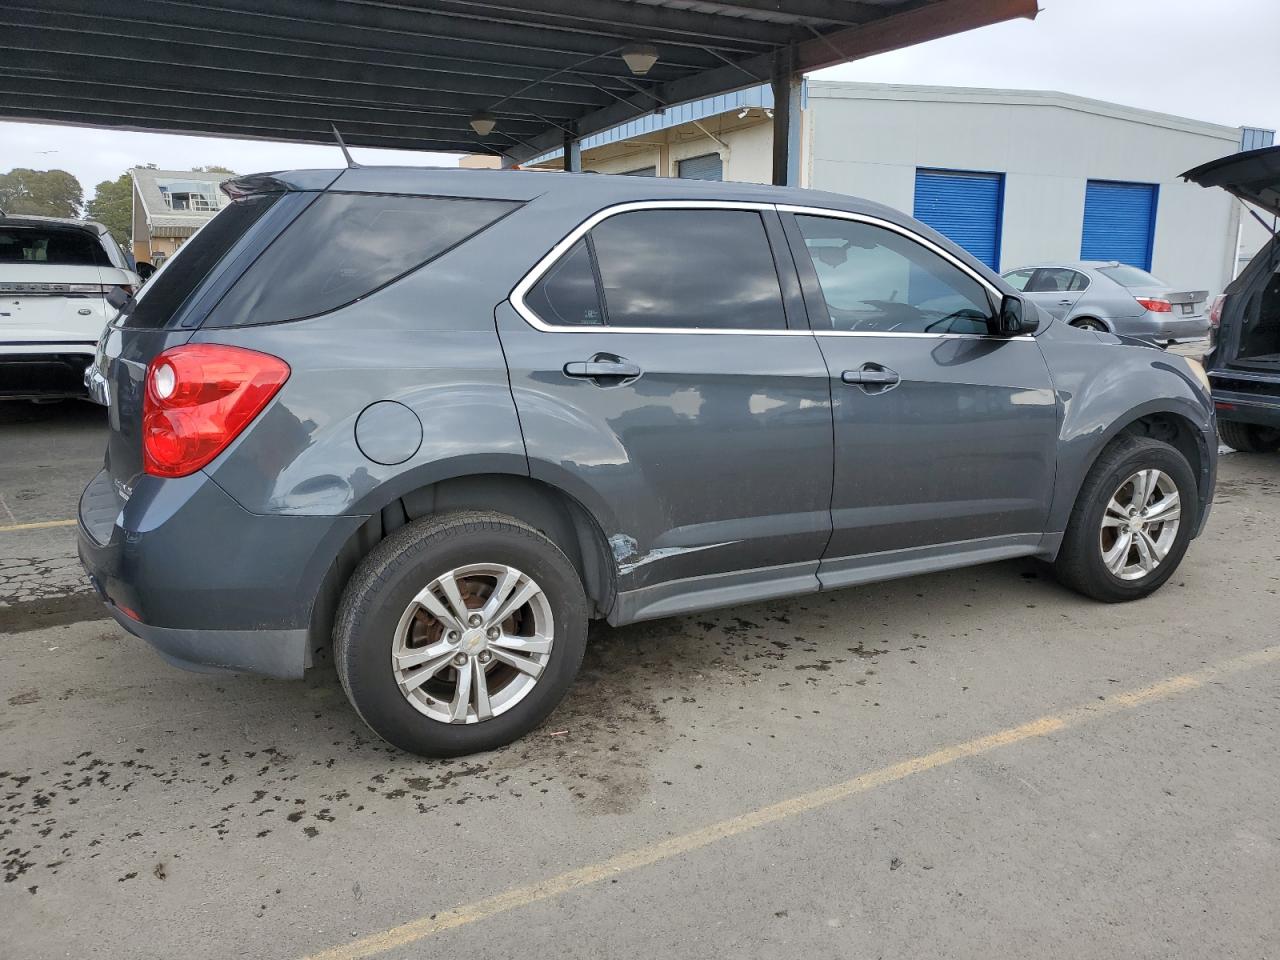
55 278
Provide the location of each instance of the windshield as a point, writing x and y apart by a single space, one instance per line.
65 247
1128 276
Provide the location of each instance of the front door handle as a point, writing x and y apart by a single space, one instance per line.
593 369
871 375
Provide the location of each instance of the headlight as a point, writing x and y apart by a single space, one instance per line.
1197 370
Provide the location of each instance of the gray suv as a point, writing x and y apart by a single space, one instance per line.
442 419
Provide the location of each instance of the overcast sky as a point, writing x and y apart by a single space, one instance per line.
1218 62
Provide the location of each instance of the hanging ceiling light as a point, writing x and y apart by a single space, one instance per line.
483 122
640 58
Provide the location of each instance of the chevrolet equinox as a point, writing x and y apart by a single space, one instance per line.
442 419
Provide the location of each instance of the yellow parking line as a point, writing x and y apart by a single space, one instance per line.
630 860
40 525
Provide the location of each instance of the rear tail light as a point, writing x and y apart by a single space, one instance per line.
199 397
1155 305
1215 310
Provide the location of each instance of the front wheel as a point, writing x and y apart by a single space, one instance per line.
1131 523
1249 437
460 633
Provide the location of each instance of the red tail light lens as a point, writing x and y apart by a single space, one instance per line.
1215 310
1154 305
199 397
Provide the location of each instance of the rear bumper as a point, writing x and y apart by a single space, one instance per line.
208 584
1247 408
1163 327
268 653
43 371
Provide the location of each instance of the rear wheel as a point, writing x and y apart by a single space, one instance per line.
1088 323
460 633
1131 523
1249 437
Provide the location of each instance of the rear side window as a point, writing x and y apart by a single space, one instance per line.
688 269
166 291
344 247
678 269
65 248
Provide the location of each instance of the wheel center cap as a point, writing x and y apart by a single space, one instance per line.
473 641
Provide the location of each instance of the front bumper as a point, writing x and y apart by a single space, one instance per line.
208 584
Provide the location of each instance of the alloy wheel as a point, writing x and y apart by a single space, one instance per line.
473 643
1140 524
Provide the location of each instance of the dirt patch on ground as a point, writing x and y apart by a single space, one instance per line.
51 612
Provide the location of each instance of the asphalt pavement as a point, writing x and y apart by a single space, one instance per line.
970 764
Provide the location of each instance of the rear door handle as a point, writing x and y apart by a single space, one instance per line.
1066 303
875 376
592 369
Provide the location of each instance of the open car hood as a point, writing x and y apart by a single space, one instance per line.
1253 176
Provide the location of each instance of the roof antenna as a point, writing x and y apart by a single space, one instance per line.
351 164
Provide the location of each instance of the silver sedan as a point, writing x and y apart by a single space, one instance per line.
1116 298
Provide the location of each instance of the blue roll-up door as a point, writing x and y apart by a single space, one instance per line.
1119 222
963 207
707 167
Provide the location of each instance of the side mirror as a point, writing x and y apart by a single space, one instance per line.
1013 318
144 269
117 297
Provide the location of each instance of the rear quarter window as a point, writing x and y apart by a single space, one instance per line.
168 289
344 247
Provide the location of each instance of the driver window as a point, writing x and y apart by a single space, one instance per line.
875 279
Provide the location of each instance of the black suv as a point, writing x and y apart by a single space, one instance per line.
1244 366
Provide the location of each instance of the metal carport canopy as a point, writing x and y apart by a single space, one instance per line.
412 74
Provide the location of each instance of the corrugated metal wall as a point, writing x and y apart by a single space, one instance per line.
1119 222
709 166
965 207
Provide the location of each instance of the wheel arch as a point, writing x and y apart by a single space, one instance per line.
1168 419
563 518
1106 326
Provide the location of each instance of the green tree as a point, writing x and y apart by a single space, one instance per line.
112 206
46 193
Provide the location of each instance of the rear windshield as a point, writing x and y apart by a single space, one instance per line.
66 248
167 290
344 247
1128 276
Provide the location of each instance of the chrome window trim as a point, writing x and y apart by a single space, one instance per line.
566 243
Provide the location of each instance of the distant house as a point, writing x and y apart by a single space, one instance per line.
169 206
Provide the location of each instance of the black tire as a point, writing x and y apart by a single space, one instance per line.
1088 323
1079 564
1249 437
382 588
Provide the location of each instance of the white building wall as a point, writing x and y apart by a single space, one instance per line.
868 140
